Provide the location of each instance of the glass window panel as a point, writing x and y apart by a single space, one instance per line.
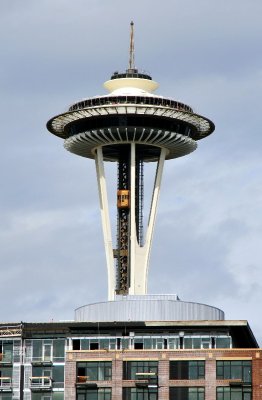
223 343
58 396
236 372
112 344
148 343
59 350
196 343
193 373
104 344
84 344
125 343
247 375
236 394
227 374
187 343
173 343
35 396
47 352
37 349
91 395
58 376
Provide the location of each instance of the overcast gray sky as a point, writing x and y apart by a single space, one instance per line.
207 244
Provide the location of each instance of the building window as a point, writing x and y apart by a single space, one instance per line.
6 351
48 350
139 393
94 344
45 396
235 370
6 396
206 342
47 377
133 370
93 394
94 371
234 393
186 393
5 379
223 342
187 370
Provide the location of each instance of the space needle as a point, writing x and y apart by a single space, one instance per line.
130 126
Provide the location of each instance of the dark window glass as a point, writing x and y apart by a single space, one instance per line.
239 370
59 350
186 393
140 394
76 344
187 370
234 393
94 394
223 343
37 350
138 345
58 376
94 345
94 371
133 370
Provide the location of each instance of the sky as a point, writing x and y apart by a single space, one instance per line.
207 242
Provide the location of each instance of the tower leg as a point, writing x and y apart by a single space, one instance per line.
139 260
100 172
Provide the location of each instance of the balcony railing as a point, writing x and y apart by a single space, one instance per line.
41 383
5 384
145 379
45 361
84 381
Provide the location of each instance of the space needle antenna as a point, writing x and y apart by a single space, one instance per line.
132 47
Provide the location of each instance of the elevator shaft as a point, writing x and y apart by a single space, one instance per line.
123 215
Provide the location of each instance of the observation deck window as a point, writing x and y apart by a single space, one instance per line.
145 100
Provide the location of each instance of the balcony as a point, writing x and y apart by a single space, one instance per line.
5 384
146 379
83 381
41 383
43 361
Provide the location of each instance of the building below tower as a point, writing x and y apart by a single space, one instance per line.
129 360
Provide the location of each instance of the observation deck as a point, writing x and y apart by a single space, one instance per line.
130 113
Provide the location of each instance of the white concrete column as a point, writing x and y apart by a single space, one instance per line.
139 261
100 172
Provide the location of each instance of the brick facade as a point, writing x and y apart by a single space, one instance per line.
163 357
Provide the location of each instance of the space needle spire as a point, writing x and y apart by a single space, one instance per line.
130 126
132 48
